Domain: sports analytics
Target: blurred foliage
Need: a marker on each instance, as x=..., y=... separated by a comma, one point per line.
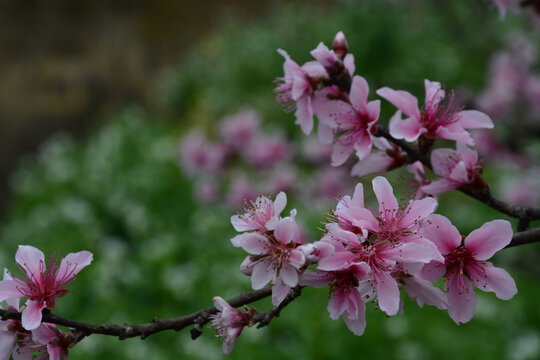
x=121, y=195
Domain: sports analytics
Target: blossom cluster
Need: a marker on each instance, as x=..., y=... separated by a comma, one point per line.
x=367, y=256
x=328, y=89
x=42, y=283
x=253, y=161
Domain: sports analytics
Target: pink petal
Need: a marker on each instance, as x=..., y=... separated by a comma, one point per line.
x=348, y=61
x=31, y=316
x=338, y=304
x=359, y=93
x=454, y=132
x=441, y=161
x=439, y=186
x=433, y=271
x=72, y=264
x=323, y=55
x=460, y=174
x=280, y=203
x=461, y=298
x=240, y=224
x=316, y=279
x=359, y=217
x=304, y=114
x=325, y=133
x=472, y=119
x=289, y=275
x=356, y=322
x=499, y=282
x=286, y=230
x=300, y=85
x=493, y=236
x=279, y=292
x=417, y=210
x=387, y=293
x=43, y=334
x=413, y=252
x=362, y=146
x=439, y=230
x=424, y=292
x=31, y=259
x=7, y=341
x=469, y=156
x=403, y=100
x=220, y=303
x=408, y=129
x=9, y=290
x=385, y=194
x=434, y=94
x=337, y=261
x=55, y=352
x=314, y=69
x=341, y=153
x=254, y=243
x=262, y=274
x=373, y=110
x=372, y=164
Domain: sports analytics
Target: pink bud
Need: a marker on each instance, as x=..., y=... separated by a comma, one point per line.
x=340, y=45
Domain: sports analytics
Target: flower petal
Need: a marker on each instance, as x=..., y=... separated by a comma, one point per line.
x=9, y=290
x=491, y=237
x=499, y=282
x=440, y=231
x=289, y=275
x=31, y=316
x=408, y=129
x=359, y=93
x=439, y=186
x=387, y=293
x=262, y=274
x=72, y=264
x=461, y=298
x=31, y=259
x=424, y=292
x=403, y=100
x=385, y=194
x=472, y=119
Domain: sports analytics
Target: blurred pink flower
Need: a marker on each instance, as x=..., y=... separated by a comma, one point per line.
x=239, y=129
x=266, y=151
x=240, y=191
x=198, y=155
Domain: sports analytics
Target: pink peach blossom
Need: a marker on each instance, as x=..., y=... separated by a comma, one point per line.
x=346, y=295
x=42, y=284
x=56, y=342
x=275, y=257
x=228, y=323
x=385, y=158
x=351, y=122
x=455, y=167
x=465, y=266
x=261, y=214
x=240, y=129
x=438, y=118
x=296, y=89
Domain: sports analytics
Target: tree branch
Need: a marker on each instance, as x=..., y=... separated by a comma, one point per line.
x=201, y=317
x=524, y=214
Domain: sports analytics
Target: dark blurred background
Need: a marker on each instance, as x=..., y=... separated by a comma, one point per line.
x=67, y=65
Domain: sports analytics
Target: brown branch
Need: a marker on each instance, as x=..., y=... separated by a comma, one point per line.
x=201, y=317
x=147, y=329
x=525, y=237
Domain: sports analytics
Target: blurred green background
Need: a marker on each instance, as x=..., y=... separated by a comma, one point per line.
x=118, y=192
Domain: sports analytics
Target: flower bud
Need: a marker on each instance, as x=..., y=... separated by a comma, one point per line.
x=340, y=45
